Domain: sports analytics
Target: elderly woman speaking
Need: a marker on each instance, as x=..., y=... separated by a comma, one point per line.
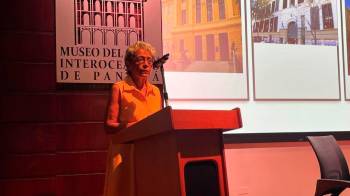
x=131, y=100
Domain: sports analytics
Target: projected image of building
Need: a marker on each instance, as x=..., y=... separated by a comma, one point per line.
x=202, y=35
x=108, y=22
x=312, y=22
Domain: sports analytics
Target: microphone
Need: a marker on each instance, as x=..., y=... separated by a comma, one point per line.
x=160, y=61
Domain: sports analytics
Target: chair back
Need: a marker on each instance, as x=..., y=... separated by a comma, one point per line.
x=331, y=159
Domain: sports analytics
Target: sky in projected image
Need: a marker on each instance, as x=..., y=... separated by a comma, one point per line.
x=202, y=35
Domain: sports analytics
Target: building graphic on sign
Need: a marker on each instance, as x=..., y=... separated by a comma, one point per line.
x=312, y=22
x=108, y=22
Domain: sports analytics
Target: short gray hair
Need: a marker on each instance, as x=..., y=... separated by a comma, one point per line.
x=131, y=50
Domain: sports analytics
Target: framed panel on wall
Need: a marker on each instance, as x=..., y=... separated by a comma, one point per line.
x=295, y=49
x=206, y=43
x=92, y=36
x=347, y=50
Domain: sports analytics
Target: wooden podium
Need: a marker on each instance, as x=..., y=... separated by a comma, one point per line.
x=180, y=152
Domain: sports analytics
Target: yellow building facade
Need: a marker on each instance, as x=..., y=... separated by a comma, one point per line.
x=200, y=33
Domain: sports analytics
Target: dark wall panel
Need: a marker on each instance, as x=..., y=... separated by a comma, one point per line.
x=81, y=162
x=28, y=166
x=28, y=108
x=64, y=185
x=47, y=165
x=33, y=138
x=27, y=138
x=85, y=185
x=27, y=47
x=29, y=187
x=27, y=77
x=81, y=107
x=28, y=15
x=53, y=107
x=51, y=138
x=81, y=136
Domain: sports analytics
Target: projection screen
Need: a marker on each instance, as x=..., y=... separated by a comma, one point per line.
x=282, y=62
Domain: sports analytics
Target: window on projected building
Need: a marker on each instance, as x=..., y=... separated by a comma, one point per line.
x=327, y=16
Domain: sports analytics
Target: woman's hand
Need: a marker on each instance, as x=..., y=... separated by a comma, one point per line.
x=112, y=128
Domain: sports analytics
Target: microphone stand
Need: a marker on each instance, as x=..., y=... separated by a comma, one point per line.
x=165, y=93
x=159, y=64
